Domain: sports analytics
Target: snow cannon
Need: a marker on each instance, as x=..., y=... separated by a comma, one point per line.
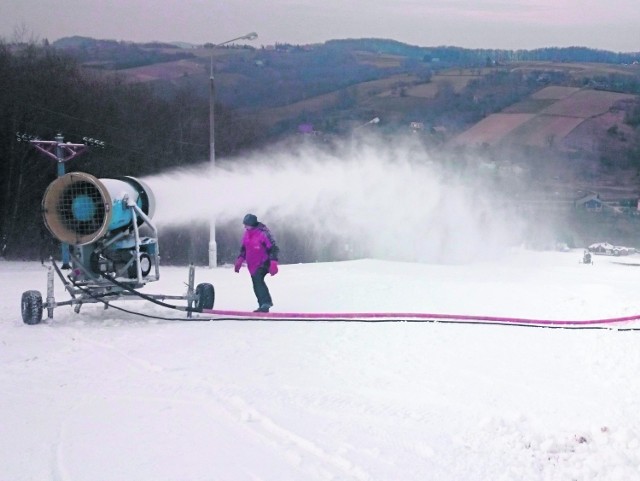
x=102, y=221
x=80, y=209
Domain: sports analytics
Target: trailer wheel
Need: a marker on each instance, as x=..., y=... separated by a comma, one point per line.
x=31, y=307
x=205, y=296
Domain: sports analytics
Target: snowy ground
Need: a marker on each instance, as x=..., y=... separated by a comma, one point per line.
x=103, y=395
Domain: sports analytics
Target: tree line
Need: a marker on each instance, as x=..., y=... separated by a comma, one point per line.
x=467, y=57
x=115, y=55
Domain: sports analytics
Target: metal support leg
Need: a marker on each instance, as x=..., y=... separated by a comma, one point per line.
x=190, y=289
x=50, y=295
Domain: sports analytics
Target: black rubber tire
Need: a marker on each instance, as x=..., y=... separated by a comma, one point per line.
x=31, y=307
x=205, y=296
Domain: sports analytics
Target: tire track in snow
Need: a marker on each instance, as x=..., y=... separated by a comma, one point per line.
x=287, y=437
x=60, y=471
x=289, y=444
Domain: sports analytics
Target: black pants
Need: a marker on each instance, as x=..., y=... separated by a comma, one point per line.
x=260, y=287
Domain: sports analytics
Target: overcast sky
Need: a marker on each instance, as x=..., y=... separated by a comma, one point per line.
x=506, y=24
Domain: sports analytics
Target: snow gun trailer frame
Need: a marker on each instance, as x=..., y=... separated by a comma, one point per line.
x=99, y=220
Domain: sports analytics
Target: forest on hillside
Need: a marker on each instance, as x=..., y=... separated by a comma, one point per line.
x=122, y=54
x=288, y=73
x=44, y=92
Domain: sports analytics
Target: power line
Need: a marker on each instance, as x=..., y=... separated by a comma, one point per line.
x=97, y=124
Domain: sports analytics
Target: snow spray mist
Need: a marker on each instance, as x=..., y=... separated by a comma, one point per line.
x=367, y=198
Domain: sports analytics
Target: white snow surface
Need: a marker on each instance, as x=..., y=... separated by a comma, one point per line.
x=110, y=396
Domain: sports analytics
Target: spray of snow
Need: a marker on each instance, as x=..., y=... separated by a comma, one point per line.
x=391, y=201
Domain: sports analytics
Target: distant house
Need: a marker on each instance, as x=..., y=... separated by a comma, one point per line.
x=593, y=203
x=606, y=249
x=307, y=129
x=590, y=203
x=543, y=78
x=417, y=126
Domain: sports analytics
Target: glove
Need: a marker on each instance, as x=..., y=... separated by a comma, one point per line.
x=273, y=268
x=238, y=264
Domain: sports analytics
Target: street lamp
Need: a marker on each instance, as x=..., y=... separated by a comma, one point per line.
x=213, y=246
x=374, y=120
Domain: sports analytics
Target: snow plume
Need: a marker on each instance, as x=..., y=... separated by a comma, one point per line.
x=362, y=198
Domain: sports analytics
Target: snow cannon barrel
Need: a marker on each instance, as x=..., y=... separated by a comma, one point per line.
x=80, y=209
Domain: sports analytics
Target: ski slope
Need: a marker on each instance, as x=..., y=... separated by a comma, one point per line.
x=111, y=396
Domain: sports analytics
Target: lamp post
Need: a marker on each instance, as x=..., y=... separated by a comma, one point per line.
x=374, y=120
x=213, y=246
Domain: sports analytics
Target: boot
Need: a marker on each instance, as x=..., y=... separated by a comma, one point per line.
x=263, y=308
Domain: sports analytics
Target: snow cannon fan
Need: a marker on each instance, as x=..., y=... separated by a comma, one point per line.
x=99, y=219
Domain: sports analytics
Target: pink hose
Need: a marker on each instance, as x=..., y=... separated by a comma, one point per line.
x=413, y=316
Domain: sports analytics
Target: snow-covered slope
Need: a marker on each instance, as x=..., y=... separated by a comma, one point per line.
x=105, y=395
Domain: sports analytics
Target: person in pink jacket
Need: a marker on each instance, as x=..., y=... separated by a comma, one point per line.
x=260, y=251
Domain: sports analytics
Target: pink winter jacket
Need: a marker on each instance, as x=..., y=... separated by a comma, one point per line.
x=258, y=248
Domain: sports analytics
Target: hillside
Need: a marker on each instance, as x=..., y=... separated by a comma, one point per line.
x=552, y=117
x=575, y=101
